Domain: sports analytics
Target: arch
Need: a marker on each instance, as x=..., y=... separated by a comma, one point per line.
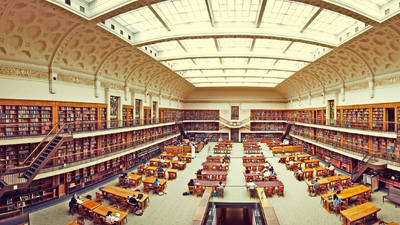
x=96, y=74
x=333, y=69
x=363, y=60
x=60, y=46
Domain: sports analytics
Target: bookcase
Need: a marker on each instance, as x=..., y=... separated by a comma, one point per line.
x=12, y=155
x=264, y=126
x=355, y=142
x=201, y=114
x=26, y=120
x=269, y=114
x=377, y=118
x=258, y=136
x=170, y=115
x=201, y=126
x=127, y=115
x=37, y=192
x=356, y=118
x=83, y=118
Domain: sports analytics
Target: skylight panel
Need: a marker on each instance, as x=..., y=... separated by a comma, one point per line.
x=234, y=61
x=303, y=48
x=281, y=74
x=199, y=44
x=235, y=11
x=331, y=22
x=176, y=64
x=180, y=12
x=139, y=20
x=168, y=46
x=291, y=65
x=235, y=43
x=288, y=13
x=256, y=62
x=270, y=44
x=208, y=62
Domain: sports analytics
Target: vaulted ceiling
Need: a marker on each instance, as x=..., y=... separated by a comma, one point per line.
x=296, y=46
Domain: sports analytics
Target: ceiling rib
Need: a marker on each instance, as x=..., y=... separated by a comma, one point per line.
x=234, y=68
x=260, y=13
x=210, y=13
x=216, y=44
x=249, y=56
x=159, y=17
x=311, y=20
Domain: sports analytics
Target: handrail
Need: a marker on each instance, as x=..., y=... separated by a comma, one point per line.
x=41, y=142
x=31, y=163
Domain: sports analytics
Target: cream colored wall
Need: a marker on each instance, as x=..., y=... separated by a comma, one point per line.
x=223, y=98
x=35, y=89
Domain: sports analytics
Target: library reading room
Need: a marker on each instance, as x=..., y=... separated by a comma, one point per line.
x=199, y=112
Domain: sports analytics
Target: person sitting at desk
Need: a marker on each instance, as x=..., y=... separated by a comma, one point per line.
x=191, y=183
x=300, y=175
x=73, y=204
x=291, y=164
x=337, y=201
x=220, y=185
x=247, y=170
x=110, y=218
x=134, y=202
x=156, y=186
x=316, y=186
x=181, y=164
x=226, y=157
x=331, y=169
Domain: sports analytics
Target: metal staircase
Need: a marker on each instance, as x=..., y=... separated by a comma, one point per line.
x=233, y=124
x=182, y=131
x=367, y=162
x=20, y=177
x=287, y=130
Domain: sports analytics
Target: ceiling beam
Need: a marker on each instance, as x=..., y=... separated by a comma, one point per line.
x=287, y=48
x=253, y=43
x=132, y=5
x=323, y=40
x=244, y=81
x=311, y=20
x=210, y=12
x=260, y=13
x=248, y=55
x=159, y=17
x=182, y=46
x=216, y=44
x=235, y=68
x=220, y=76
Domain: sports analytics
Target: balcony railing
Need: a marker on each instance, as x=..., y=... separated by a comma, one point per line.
x=350, y=147
x=386, y=126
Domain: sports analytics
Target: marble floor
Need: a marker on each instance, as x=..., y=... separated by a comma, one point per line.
x=296, y=207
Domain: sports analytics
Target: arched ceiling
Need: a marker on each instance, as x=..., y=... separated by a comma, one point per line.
x=296, y=46
x=37, y=34
x=246, y=42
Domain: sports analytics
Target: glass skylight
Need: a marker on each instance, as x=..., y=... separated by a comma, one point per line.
x=230, y=46
x=180, y=12
x=288, y=13
x=331, y=22
x=139, y=20
x=235, y=10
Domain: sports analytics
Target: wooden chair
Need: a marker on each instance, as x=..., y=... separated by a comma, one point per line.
x=98, y=220
x=124, y=206
x=83, y=212
x=191, y=190
x=280, y=191
x=99, y=197
x=80, y=220
x=199, y=191
x=140, y=170
x=269, y=192
x=220, y=192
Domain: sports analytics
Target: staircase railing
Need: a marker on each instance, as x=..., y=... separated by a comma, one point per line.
x=41, y=142
x=20, y=169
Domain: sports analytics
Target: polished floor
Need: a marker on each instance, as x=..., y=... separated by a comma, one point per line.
x=296, y=207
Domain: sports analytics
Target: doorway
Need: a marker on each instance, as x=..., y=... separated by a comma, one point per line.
x=235, y=134
x=390, y=118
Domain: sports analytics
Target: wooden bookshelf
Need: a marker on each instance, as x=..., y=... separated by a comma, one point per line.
x=201, y=114
x=264, y=126
x=26, y=120
x=201, y=126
